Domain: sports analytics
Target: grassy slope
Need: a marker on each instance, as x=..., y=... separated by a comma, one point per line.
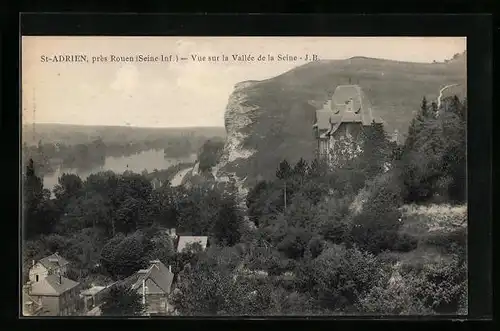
x=428, y=224
x=282, y=124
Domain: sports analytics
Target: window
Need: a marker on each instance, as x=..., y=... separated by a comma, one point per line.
x=36, y=278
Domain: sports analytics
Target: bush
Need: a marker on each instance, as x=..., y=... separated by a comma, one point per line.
x=384, y=299
x=375, y=228
x=431, y=288
x=295, y=243
x=342, y=275
x=449, y=241
x=405, y=243
x=122, y=301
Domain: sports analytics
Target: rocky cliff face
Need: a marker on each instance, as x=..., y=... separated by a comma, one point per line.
x=238, y=118
x=268, y=121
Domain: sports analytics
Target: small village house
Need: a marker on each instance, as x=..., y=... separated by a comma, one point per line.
x=56, y=294
x=49, y=265
x=93, y=298
x=48, y=292
x=156, y=183
x=154, y=285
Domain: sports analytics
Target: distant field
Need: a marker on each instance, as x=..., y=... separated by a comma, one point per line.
x=77, y=134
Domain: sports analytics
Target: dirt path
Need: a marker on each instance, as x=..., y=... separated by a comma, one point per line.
x=177, y=180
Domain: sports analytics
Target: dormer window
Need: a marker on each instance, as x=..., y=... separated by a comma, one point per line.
x=349, y=105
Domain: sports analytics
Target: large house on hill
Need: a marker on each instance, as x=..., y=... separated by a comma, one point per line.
x=344, y=115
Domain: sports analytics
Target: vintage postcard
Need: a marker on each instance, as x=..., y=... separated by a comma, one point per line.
x=244, y=176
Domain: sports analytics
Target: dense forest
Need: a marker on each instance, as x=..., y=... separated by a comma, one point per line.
x=316, y=239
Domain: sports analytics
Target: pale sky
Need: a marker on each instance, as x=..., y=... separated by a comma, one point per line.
x=185, y=93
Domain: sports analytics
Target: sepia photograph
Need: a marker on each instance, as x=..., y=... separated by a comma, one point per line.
x=243, y=176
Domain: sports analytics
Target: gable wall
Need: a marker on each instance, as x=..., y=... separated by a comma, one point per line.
x=38, y=269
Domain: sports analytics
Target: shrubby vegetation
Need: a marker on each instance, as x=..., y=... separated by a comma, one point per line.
x=362, y=237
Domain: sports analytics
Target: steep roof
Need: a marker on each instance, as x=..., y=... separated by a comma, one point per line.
x=348, y=104
x=50, y=285
x=93, y=290
x=323, y=118
x=53, y=261
x=158, y=273
x=186, y=240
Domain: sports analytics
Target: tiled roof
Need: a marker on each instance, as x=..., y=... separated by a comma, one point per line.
x=344, y=93
x=53, y=285
x=53, y=261
x=336, y=110
x=93, y=290
x=186, y=240
x=157, y=273
x=323, y=119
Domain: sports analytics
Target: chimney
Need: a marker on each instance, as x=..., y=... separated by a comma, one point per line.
x=33, y=263
x=170, y=268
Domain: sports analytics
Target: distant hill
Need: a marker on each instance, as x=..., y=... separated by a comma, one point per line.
x=74, y=134
x=270, y=120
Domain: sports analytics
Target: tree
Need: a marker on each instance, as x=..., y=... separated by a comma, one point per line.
x=254, y=200
x=210, y=154
x=122, y=301
x=68, y=186
x=39, y=213
x=123, y=255
x=284, y=170
x=130, y=215
x=342, y=275
x=332, y=219
x=375, y=151
x=212, y=287
x=301, y=169
x=424, y=108
x=416, y=125
x=85, y=211
x=375, y=227
x=434, y=108
x=163, y=248
x=84, y=249
x=432, y=164
x=295, y=243
x=318, y=168
x=228, y=225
